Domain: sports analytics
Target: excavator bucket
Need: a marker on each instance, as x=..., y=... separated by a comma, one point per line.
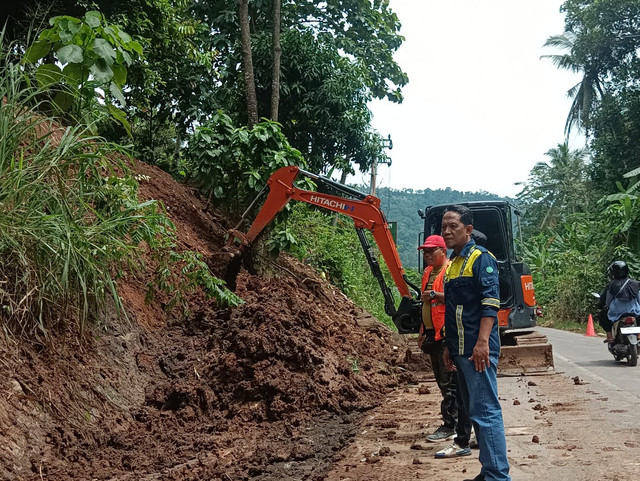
x=242, y=256
x=527, y=353
x=233, y=269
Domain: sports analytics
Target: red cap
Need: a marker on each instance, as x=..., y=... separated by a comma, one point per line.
x=433, y=241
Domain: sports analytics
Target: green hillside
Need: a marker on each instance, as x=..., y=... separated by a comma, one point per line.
x=402, y=206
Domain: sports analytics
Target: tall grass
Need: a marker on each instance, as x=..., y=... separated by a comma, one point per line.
x=70, y=221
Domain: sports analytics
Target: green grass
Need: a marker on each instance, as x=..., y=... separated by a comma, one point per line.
x=69, y=217
x=572, y=326
x=70, y=220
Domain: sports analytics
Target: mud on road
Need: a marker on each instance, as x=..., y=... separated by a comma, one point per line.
x=270, y=389
x=295, y=384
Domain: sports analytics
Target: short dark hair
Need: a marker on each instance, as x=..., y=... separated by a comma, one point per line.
x=466, y=216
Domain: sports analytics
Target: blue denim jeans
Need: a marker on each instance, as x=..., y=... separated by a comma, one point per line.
x=479, y=392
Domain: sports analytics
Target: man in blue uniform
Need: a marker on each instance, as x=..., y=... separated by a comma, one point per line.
x=472, y=298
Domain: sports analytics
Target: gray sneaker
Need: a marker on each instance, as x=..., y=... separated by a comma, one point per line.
x=441, y=434
x=453, y=451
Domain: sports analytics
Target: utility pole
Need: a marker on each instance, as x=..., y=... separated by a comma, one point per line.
x=387, y=144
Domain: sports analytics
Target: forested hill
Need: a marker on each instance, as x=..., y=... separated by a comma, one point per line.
x=402, y=206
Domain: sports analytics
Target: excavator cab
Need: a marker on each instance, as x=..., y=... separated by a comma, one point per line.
x=495, y=226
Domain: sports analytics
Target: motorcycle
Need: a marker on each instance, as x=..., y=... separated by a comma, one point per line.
x=625, y=332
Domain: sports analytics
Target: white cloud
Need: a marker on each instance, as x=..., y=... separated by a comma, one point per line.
x=481, y=107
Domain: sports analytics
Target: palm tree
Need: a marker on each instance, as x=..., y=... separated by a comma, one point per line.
x=557, y=187
x=586, y=92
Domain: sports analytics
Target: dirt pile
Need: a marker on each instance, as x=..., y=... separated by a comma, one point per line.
x=267, y=390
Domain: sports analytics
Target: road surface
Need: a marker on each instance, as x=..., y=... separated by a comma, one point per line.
x=577, y=424
x=581, y=355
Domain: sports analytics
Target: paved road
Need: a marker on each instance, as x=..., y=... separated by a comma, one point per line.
x=579, y=355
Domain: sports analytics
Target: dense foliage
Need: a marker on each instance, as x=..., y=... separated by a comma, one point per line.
x=70, y=220
x=333, y=58
x=336, y=56
x=232, y=164
x=85, y=54
x=582, y=205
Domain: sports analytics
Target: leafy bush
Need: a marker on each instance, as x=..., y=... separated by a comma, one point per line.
x=94, y=57
x=232, y=164
x=567, y=267
x=181, y=273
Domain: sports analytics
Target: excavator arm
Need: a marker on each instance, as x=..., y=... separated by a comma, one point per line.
x=366, y=214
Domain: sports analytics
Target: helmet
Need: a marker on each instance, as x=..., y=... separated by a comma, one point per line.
x=618, y=270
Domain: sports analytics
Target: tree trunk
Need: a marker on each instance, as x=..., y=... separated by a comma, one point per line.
x=247, y=63
x=277, y=52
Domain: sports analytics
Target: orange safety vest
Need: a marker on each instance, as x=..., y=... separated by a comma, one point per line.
x=437, y=308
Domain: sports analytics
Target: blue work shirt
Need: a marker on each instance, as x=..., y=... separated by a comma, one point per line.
x=471, y=292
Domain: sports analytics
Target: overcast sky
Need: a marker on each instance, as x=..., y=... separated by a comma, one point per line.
x=481, y=107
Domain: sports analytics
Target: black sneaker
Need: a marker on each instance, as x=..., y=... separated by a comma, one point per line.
x=473, y=441
x=479, y=477
x=441, y=434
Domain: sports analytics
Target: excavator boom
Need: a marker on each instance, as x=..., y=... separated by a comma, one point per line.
x=363, y=209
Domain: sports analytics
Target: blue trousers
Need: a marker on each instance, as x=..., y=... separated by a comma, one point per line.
x=479, y=393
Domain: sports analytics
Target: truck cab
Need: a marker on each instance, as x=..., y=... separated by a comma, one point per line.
x=497, y=220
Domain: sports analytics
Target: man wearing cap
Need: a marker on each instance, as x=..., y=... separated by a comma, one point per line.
x=434, y=254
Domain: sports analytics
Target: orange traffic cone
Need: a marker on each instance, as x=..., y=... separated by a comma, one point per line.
x=590, y=330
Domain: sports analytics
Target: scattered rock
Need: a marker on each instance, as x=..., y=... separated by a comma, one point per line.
x=384, y=451
x=531, y=383
x=16, y=387
x=389, y=424
x=416, y=461
x=578, y=382
x=424, y=390
x=516, y=402
x=417, y=447
x=535, y=439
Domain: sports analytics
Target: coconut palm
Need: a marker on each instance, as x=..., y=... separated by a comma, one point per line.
x=556, y=188
x=586, y=92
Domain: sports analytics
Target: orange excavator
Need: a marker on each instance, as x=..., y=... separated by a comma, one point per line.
x=531, y=352
x=366, y=214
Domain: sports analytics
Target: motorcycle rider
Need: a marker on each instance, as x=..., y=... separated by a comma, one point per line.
x=619, y=297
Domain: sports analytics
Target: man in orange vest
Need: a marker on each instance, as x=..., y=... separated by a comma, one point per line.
x=455, y=425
